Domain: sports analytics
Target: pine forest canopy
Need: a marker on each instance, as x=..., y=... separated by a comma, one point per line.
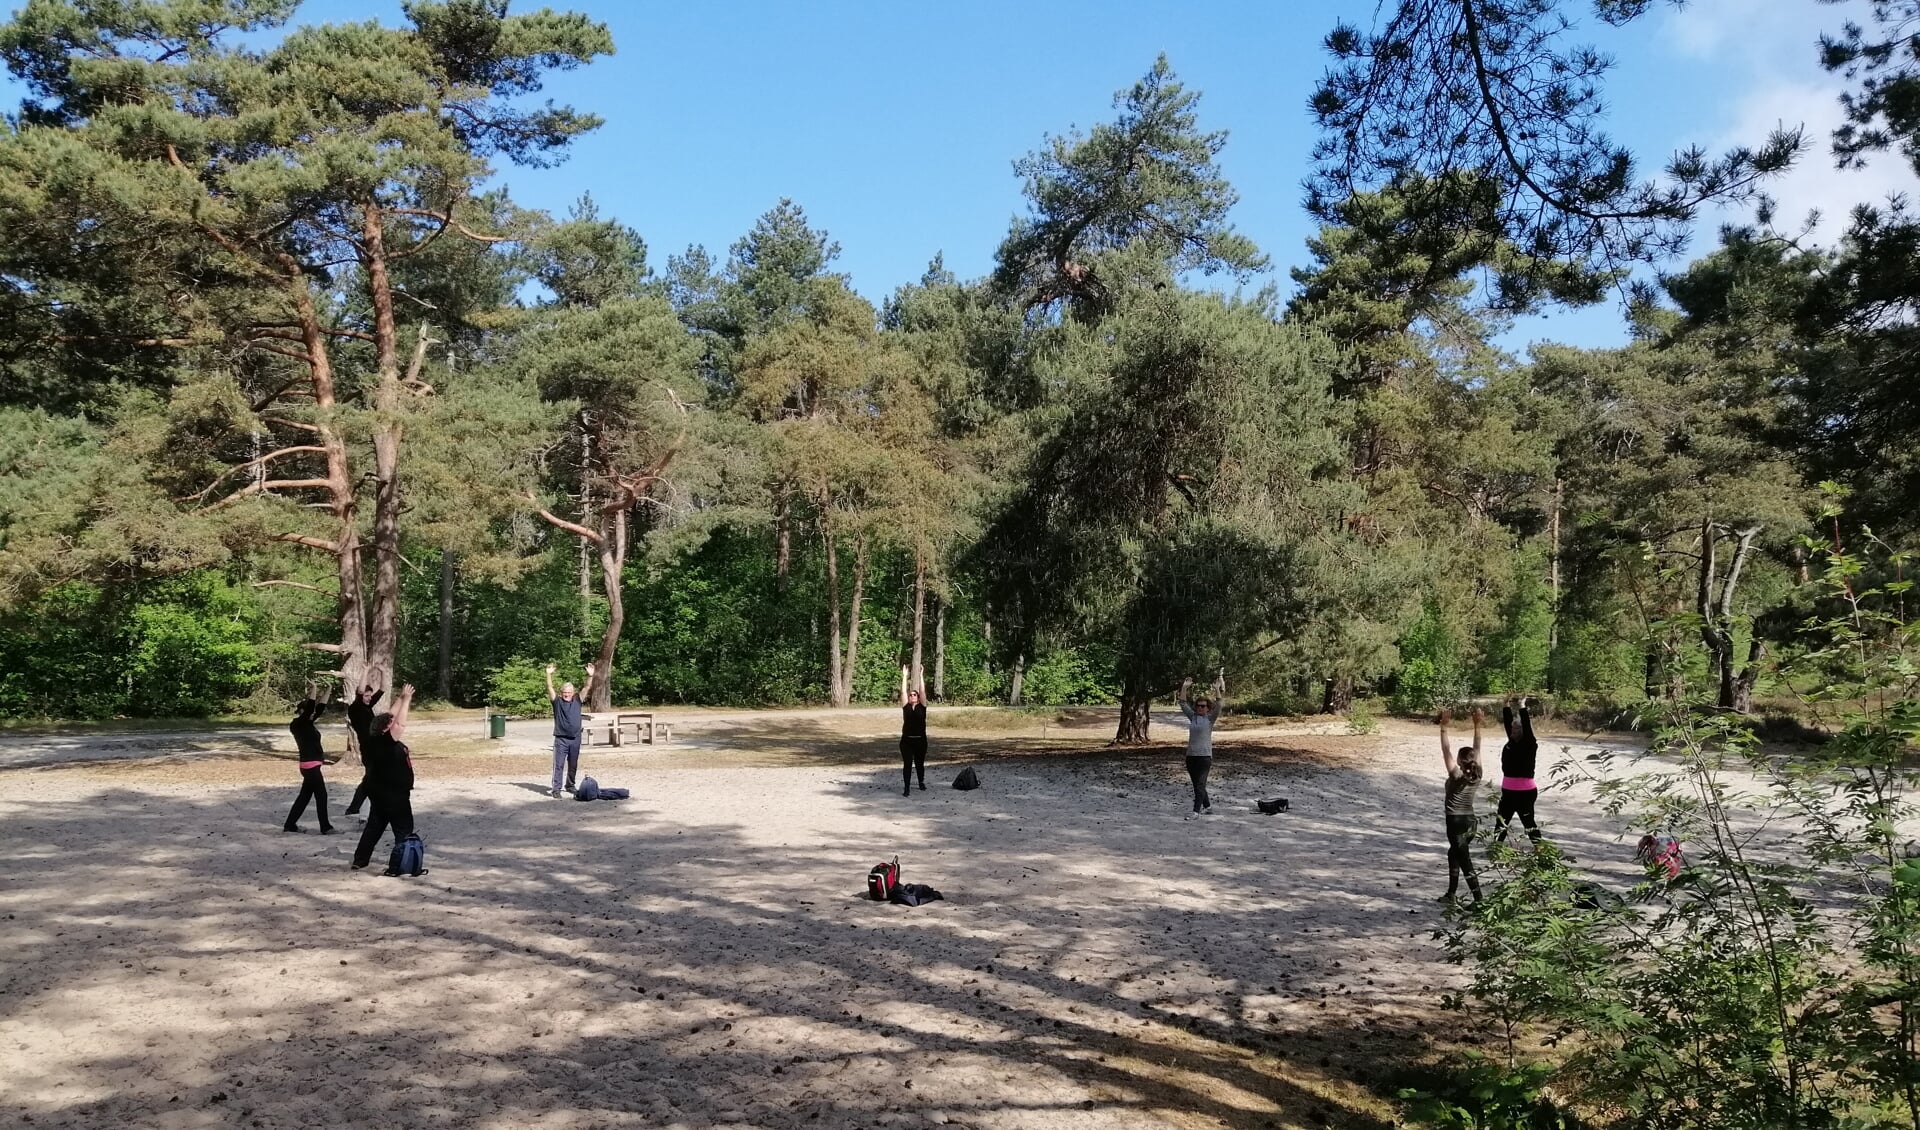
x=293, y=390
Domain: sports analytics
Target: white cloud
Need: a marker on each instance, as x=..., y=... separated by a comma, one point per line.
x=1760, y=30
x=1813, y=184
x=1766, y=52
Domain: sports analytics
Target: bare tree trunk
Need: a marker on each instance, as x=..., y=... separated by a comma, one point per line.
x=1743, y=686
x=834, y=663
x=586, y=508
x=1136, y=705
x=782, y=536
x=852, y=665
x=443, y=681
x=1338, y=696
x=1015, y=695
x=1716, y=617
x=613, y=570
x=939, y=649
x=986, y=636
x=383, y=629
x=342, y=502
x=917, y=674
x=1553, y=569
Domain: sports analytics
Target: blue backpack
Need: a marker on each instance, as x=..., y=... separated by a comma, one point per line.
x=409, y=856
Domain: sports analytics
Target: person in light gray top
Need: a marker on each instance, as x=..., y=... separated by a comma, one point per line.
x=1201, y=714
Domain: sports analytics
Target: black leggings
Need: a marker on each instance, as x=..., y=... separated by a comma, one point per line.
x=1198, y=768
x=913, y=758
x=389, y=808
x=360, y=795
x=313, y=787
x=1517, y=802
x=1459, y=859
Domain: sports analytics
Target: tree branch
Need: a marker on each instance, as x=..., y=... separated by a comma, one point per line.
x=448, y=220
x=295, y=585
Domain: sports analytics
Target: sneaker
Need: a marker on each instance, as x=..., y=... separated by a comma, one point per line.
x=329, y=831
x=571, y=789
x=554, y=793
x=359, y=867
x=292, y=828
x=906, y=792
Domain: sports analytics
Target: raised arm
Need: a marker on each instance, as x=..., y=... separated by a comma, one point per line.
x=1446, y=745
x=401, y=705
x=1526, y=722
x=1479, y=756
x=1185, y=698
x=1220, y=694
x=903, y=684
x=588, y=685
x=551, y=693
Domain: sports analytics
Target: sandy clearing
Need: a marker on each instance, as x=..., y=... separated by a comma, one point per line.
x=701, y=955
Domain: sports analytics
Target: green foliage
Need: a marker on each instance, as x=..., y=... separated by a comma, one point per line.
x=1430, y=674
x=519, y=686
x=1731, y=998
x=1069, y=678
x=1363, y=716
x=174, y=649
x=1517, y=658
x=1479, y=1094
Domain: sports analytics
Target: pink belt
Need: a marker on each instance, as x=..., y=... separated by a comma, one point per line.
x=1518, y=784
x=310, y=765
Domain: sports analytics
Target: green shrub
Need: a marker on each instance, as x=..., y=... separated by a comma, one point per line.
x=519, y=686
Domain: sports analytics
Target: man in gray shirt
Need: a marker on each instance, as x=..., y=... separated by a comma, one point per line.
x=566, y=729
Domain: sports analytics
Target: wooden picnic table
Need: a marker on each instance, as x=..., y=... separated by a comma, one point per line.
x=645, y=730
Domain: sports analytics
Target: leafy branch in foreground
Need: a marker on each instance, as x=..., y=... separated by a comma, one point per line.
x=1773, y=983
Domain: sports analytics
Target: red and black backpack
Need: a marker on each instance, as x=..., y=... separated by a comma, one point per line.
x=882, y=878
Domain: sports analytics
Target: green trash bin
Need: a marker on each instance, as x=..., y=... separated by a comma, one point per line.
x=496, y=726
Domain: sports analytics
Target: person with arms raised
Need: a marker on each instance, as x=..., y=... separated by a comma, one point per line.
x=566, y=730
x=390, y=768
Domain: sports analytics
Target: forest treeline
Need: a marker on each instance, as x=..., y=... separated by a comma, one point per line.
x=287, y=389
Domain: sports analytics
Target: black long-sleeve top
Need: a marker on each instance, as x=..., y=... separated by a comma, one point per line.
x=1522, y=750
x=360, y=716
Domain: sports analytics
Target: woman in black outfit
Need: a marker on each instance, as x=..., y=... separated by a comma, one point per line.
x=1518, y=789
x=360, y=718
x=913, y=735
x=1463, y=781
x=313, y=784
x=390, y=769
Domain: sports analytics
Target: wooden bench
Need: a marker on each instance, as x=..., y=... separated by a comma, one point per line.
x=638, y=724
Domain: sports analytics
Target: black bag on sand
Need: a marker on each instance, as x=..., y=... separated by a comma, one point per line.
x=913, y=894
x=1273, y=804
x=409, y=857
x=967, y=779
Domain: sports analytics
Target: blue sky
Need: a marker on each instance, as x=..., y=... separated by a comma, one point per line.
x=896, y=126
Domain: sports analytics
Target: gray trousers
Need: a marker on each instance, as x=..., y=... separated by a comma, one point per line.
x=566, y=758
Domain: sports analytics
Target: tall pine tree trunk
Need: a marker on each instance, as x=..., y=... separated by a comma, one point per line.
x=342, y=502
x=852, y=665
x=1338, y=697
x=383, y=627
x=1136, y=703
x=939, y=649
x=613, y=572
x=834, y=659
x=782, y=536
x=918, y=674
x=1017, y=692
x=443, y=680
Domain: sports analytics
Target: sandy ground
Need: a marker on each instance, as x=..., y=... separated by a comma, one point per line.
x=703, y=955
